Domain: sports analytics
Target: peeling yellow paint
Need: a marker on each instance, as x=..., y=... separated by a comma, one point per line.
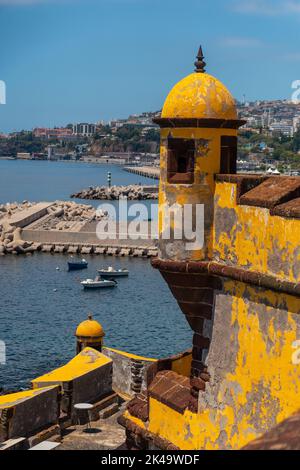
x=134, y=420
x=257, y=385
x=181, y=430
x=257, y=240
x=199, y=95
x=268, y=383
x=12, y=399
x=182, y=365
x=86, y=361
x=202, y=191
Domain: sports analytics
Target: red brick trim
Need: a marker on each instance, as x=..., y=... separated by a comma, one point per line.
x=272, y=192
x=279, y=194
x=200, y=123
x=238, y=274
x=141, y=437
x=289, y=209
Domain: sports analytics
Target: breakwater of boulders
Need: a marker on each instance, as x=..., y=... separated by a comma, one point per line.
x=11, y=242
x=10, y=236
x=66, y=216
x=11, y=208
x=61, y=215
x=131, y=192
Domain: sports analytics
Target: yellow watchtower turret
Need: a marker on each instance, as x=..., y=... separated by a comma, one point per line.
x=89, y=333
x=198, y=140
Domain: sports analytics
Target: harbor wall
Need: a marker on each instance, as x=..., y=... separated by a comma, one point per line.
x=148, y=172
x=79, y=238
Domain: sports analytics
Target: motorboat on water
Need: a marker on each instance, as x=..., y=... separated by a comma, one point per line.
x=98, y=283
x=110, y=272
x=79, y=264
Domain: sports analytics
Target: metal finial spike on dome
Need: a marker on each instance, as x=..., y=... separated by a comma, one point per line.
x=200, y=64
x=90, y=316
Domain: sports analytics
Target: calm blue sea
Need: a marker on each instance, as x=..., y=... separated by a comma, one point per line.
x=41, y=306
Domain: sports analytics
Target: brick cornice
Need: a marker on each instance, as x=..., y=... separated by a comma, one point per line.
x=213, y=268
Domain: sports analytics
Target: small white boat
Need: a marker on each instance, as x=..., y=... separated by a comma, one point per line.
x=111, y=272
x=98, y=283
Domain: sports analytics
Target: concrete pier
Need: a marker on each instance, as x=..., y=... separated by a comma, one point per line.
x=147, y=171
x=119, y=250
x=30, y=215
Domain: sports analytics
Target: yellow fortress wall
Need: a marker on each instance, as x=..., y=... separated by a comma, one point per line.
x=86, y=378
x=240, y=292
x=252, y=238
x=254, y=383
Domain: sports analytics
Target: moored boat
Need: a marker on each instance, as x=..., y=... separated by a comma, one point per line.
x=75, y=265
x=98, y=283
x=111, y=272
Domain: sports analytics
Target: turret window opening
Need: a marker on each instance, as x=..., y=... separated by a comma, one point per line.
x=228, y=155
x=181, y=161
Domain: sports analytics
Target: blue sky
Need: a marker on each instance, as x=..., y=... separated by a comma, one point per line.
x=85, y=60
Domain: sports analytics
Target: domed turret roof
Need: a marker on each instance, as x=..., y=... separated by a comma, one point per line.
x=200, y=96
x=90, y=329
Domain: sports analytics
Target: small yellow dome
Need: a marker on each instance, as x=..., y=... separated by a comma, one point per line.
x=90, y=329
x=200, y=96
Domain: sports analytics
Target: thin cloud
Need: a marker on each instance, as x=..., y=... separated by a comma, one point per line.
x=241, y=42
x=292, y=56
x=267, y=7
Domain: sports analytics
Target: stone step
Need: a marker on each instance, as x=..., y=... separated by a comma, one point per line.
x=52, y=433
x=45, y=445
x=109, y=411
x=14, y=444
x=106, y=402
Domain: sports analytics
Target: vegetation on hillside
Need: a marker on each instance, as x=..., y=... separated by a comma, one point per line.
x=283, y=150
x=127, y=138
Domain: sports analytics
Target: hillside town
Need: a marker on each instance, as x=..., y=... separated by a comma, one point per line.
x=269, y=141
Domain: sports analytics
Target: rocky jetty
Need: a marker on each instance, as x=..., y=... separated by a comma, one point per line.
x=131, y=192
x=11, y=208
x=27, y=227
x=11, y=241
x=10, y=236
x=61, y=215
